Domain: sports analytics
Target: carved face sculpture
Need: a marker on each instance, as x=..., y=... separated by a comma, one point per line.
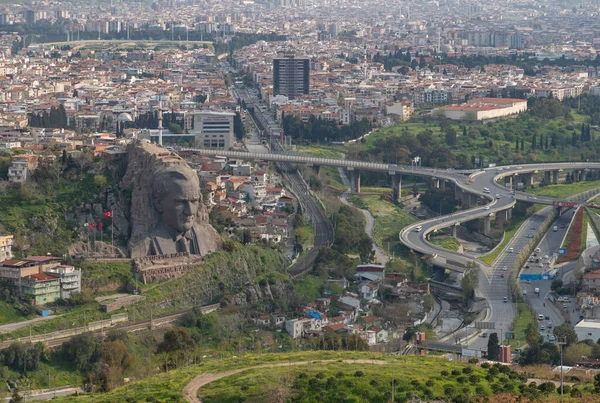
x=177, y=197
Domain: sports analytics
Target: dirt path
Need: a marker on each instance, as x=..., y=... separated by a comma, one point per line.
x=190, y=392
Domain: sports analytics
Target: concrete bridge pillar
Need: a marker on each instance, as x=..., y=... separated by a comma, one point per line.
x=508, y=182
x=457, y=193
x=575, y=175
x=454, y=228
x=547, y=177
x=317, y=171
x=555, y=177
x=435, y=183
x=354, y=181
x=442, y=183
x=527, y=180
x=396, y=187
x=487, y=225
x=502, y=217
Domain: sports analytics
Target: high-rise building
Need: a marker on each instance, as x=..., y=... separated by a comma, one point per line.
x=291, y=76
x=214, y=129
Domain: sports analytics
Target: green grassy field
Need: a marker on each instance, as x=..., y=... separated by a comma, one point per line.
x=329, y=175
x=389, y=220
x=10, y=314
x=523, y=319
x=425, y=377
x=564, y=190
x=446, y=243
x=508, y=235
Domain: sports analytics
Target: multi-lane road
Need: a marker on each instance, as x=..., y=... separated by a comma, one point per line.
x=488, y=199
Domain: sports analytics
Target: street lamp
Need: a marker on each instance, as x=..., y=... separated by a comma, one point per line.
x=561, y=343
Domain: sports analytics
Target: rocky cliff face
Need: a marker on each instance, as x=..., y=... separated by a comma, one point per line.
x=242, y=276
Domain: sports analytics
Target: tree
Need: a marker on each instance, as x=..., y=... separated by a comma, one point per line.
x=493, y=347
x=100, y=181
x=16, y=396
x=175, y=128
x=565, y=332
x=533, y=141
x=556, y=284
x=574, y=353
x=522, y=144
x=80, y=350
x=516, y=144
x=469, y=282
x=532, y=335
x=176, y=339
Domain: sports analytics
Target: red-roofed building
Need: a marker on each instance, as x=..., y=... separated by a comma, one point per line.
x=591, y=280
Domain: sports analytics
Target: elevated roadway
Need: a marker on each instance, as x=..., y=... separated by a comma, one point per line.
x=480, y=190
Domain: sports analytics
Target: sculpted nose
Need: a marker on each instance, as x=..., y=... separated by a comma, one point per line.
x=187, y=208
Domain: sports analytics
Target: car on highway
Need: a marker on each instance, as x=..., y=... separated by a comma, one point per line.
x=537, y=250
x=562, y=225
x=511, y=250
x=504, y=268
x=418, y=228
x=501, y=275
x=551, y=337
x=529, y=235
x=484, y=334
x=505, y=300
x=549, y=325
x=542, y=328
x=497, y=196
x=564, y=306
x=540, y=317
x=487, y=207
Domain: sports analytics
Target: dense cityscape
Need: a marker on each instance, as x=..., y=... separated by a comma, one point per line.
x=300, y=201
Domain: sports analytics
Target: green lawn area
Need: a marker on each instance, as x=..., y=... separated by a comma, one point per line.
x=508, y=235
x=446, y=242
x=10, y=314
x=343, y=382
x=329, y=175
x=389, y=220
x=323, y=381
x=563, y=190
x=523, y=319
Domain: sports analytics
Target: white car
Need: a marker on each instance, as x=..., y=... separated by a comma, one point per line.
x=504, y=268
x=511, y=250
x=537, y=250
x=487, y=207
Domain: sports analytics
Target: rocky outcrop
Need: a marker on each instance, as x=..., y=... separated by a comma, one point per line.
x=242, y=276
x=96, y=249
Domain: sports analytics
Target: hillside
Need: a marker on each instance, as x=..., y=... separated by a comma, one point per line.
x=326, y=376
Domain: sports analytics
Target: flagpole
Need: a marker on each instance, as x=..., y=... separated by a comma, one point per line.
x=112, y=235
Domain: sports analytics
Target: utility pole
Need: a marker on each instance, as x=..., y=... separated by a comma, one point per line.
x=561, y=343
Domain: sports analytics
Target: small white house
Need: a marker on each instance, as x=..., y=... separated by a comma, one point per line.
x=588, y=329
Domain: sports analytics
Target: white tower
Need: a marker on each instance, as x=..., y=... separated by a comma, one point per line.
x=160, y=121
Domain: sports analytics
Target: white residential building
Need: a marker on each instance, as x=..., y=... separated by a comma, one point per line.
x=588, y=330
x=70, y=279
x=6, y=242
x=214, y=129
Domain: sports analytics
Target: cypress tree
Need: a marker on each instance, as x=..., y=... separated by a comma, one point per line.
x=517, y=144
x=533, y=141
x=522, y=144
x=546, y=141
x=574, y=139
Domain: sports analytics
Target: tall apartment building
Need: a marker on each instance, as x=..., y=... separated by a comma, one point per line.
x=291, y=76
x=214, y=129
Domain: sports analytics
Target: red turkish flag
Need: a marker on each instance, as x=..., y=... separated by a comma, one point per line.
x=100, y=226
x=108, y=214
x=92, y=225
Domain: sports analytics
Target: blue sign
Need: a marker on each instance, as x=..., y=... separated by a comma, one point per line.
x=530, y=277
x=562, y=251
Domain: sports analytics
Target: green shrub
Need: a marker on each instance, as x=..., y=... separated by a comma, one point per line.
x=467, y=370
x=444, y=373
x=359, y=373
x=456, y=372
x=429, y=383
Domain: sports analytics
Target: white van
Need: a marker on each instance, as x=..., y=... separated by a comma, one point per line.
x=418, y=228
x=486, y=190
x=555, y=228
x=540, y=317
